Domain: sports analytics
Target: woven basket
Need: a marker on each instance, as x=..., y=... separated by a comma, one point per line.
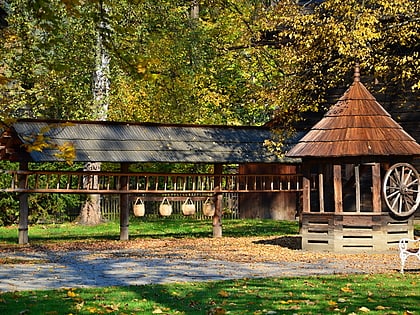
x=138, y=208
x=188, y=207
x=165, y=208
x=208, y=208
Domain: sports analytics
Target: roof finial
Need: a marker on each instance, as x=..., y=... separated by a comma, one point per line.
x=357, y=72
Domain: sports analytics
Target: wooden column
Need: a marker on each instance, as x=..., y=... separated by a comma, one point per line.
x=338, y=189
x=321, y=191
x=376, y=187
x=357, y=184
x=306, y=198
x=124, y=205
x=23, y=207
x=218, y=212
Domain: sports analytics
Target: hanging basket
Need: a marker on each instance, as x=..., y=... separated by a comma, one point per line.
x=188, y=207
x=165, y=208
x=208, y=208
x=138, y=208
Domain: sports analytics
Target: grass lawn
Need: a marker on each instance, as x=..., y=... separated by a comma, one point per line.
x=150, y=228
x=390, y=293
x=338, y=294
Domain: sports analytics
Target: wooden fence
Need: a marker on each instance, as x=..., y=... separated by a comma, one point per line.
x=112, y=183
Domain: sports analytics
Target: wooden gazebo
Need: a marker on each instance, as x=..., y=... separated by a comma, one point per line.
x=359, y=190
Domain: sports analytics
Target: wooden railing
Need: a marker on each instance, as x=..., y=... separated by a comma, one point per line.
x=114, y=183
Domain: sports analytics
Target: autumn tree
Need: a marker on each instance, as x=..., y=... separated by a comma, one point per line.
x=242, y=62
x=326, y=40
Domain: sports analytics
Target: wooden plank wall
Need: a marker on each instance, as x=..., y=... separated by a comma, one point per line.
x=348, y=233
x=277, y=206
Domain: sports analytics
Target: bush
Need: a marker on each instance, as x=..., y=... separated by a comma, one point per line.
x=42, y=207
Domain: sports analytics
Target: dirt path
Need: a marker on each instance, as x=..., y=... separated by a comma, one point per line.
x=241, y=250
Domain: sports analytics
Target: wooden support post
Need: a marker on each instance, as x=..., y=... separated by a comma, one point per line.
x=357, y=183
x=376, y=187
x=338, y=189
x=23, y=207
x=321, y=191
x=218, y=212
x=306, y=199
x=124, y=205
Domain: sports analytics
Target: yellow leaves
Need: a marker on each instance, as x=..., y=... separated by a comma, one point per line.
x=37, y=143
x=141, y=69
x=111, y=308
x=382, y=308
x=216, y=311
x=92, y=310
x=41, y=141
x=67, y=152
x=364, y=309
x=347, y=289
x=223, y=294
x=332, y=303
x=160, y=310
x=71, y=293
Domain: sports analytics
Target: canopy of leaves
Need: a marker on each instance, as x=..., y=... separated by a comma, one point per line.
x=229, y=62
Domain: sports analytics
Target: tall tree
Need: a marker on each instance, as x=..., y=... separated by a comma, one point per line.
x=242, y=60
x=91, y=210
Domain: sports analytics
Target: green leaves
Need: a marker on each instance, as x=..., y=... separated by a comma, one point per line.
x=238, y=62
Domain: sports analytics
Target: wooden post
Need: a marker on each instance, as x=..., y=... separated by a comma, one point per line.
x=218, y=212
x=338, y=189
x=321, y=191
x=357, y=183
x=124, y=205
x=306, y=199
x=376, y=187
x=23, y=207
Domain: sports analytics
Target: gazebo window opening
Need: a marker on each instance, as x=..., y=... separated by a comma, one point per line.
x=348, y=188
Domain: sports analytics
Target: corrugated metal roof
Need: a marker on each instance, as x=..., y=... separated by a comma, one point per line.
x=357, y=125
x=136, y=142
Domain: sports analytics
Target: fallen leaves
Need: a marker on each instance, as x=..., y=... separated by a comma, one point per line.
x=364, y=309
x=238, y=249
x=347, y=289
x=223, y=294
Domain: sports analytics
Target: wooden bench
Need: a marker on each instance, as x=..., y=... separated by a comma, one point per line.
x=408, y=247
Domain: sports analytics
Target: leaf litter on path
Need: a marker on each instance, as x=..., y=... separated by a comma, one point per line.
x=235, y=249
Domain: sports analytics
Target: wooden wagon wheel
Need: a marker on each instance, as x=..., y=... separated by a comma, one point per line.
x=401, y=189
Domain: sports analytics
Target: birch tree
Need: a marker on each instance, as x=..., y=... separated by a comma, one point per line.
x=91, y=210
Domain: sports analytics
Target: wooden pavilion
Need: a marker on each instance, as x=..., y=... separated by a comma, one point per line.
x=356, y=151
x=125, y=143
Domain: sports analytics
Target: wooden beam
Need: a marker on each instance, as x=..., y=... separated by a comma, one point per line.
x=23, y=208
x=338, y=189
x=217, y=218
x=124, y=205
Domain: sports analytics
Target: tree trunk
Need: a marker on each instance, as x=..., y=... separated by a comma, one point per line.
x=91, y=210
x=90, y=213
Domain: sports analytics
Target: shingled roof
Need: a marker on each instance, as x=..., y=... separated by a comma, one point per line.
x=139, y=142
x=357, y=125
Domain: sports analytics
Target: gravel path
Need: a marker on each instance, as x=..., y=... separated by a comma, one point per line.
x=163, y=261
